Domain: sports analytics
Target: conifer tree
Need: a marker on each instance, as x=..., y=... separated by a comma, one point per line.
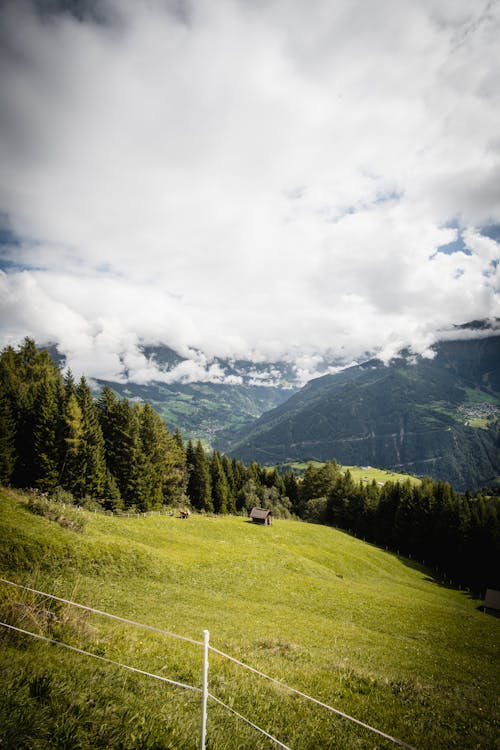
x=127, y=454
x=231, y=484
x=72, y=436
x=7, y=440
x=32, y=368
x=291, y=489
x=199, y=484
x=239, y=474
x=176, y=477
x=46, y=457
x=154, y=446
x=220, y=488
x=8, y=425
x=91, y=453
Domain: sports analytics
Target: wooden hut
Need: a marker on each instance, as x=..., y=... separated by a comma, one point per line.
x=262, y=516
x=492, y=600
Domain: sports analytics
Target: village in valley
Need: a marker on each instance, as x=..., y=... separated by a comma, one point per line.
x=481, y=414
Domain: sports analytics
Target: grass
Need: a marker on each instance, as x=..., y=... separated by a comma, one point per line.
x=359, y=473
x=365, y=631
x=478, y=396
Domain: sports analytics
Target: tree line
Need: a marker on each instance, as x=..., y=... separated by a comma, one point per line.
x=459, y=535
x=118, y=455
x=108, y=451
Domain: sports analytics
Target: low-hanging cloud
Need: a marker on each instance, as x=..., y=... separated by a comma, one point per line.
x=243, y=180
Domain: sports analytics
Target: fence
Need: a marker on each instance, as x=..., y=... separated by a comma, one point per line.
x=204, y=691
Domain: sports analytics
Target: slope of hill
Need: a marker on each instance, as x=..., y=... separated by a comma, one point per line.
x=365, y=631
x=437, y=417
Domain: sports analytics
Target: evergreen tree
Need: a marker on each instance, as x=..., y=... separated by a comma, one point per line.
x=8, y=425
x=34, y=376
x=7, y=440
x=199, y=485
x=91, y=478
x=72, y=436
x=46, y=457
x=175, y=478
x=291, y=489
x=154, y=464
x=220, y=488
x=231, y=483
x=150, y=458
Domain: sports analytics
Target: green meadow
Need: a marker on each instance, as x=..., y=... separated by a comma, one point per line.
x=365, y=631
x=358, y=473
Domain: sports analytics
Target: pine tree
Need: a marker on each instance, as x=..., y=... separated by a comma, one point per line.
x=91, y=457
x=127, y=454
x=72, y=436
x=8, y=426
x=176, y=475
x=7, y=440
x=47, y=453
x=220, y=488
x=35, y=376
x=291, y=489
x=231, y=484
x=154, y=445
x=199, y=484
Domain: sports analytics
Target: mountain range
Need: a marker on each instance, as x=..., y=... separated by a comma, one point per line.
x=437, y=416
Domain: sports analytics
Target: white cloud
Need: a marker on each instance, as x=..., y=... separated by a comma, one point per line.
x=255, y=180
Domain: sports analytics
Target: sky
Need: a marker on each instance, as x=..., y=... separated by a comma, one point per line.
x=251, y=179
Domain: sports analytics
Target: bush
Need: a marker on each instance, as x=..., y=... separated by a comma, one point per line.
x=67, y=518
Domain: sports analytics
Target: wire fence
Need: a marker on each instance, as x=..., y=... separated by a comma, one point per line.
x=206, y=694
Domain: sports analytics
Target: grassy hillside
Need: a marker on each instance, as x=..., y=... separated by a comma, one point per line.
x=360, y=629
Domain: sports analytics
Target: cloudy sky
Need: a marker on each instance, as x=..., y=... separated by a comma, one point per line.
x=257, y=179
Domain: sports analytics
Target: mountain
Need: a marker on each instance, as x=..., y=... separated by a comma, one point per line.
x=234, y=395
x=202, y=410
x=437, y=417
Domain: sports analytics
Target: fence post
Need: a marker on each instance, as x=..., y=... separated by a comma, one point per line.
x=204, y=691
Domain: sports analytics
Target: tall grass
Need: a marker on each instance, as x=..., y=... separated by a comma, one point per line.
x=356, y=627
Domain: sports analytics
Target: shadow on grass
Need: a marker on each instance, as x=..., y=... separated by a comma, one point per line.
x=439, y=578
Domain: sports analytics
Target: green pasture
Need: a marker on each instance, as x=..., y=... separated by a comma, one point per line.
x=359, y=473
x=365, y=631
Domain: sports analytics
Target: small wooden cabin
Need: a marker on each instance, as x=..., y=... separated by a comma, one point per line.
x=261, y=515
x=492, y=600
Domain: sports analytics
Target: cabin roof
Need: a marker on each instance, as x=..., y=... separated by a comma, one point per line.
x=260, y=513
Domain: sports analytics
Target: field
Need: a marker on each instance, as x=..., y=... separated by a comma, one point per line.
x=363, y=473
x=369, y=633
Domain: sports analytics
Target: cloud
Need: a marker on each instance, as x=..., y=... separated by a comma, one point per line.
x=248, y=180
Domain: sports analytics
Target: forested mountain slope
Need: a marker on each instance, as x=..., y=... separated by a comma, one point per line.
x=202, y=410
x=438, y=417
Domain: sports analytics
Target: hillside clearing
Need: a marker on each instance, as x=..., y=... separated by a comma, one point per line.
x=356, y=627
x=358, y=473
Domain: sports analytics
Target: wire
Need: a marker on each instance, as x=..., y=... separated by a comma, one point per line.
x=104, y=614
x=314, y=700
x=259, y=729
x=101, y=658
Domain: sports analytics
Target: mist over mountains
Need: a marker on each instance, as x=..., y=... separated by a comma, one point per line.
x=428, y=416
x=435, y=415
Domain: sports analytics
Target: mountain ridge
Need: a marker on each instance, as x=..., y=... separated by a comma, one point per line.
x=418, y=415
